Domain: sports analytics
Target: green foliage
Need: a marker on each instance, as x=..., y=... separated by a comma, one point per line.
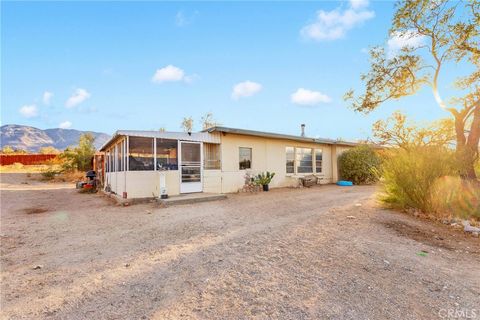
x=7, y=150
x=409, y=175
x=397, y=130
x=48, y=150
x=10, y=150
x=50, y=173
x=187, y=124
x=450, y=36
x=360, y=165
x=208, y=121
x=80, y=157
x=264, y=178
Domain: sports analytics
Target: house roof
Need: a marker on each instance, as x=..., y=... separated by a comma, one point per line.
x=194, y=136
x=207, y=136
x=279, y=136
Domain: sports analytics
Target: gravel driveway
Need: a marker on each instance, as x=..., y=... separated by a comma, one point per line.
x=321, y=253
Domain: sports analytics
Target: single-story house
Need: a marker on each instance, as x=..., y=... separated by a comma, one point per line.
x=146, y=164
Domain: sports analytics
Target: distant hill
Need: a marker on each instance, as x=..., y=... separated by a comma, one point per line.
x=32, y=139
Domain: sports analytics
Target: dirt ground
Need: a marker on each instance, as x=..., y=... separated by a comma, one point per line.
x=322, y=253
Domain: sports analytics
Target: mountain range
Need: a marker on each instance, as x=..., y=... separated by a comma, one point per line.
x=32, y=139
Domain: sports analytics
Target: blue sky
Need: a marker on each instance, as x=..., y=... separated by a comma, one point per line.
x=105, y=66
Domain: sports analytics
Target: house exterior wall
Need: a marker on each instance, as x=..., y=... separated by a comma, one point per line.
x=212, y=181
x=269, y=155
x=142, y=184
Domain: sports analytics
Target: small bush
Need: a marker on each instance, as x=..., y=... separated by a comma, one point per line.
x=360, y=165
x=50, y=173
x=454, y=197
x=17, y=166
x=410, y=174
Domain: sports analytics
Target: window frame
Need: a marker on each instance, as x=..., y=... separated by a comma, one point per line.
x=298, y=161
x=240, y=160
x=212, y=153
x=313, y=151
x=287, y=160
x=316, y=151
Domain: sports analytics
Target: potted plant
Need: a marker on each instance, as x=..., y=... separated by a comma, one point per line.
x=264, y=179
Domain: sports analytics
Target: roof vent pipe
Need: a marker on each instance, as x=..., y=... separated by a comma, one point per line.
x=303, y=129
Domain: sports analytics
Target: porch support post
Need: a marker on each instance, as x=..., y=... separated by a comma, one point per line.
x=154, y=154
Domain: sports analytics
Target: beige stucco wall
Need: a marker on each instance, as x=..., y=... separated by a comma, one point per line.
x=267, y=154
x=142, y=184
x=212, y=181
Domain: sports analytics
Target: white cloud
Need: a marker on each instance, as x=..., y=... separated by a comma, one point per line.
x=183, y=19
x=78, y=97
x=400, y=40
x=47, y=97
x=65, y=125
x=359, y=4
x=307, y=97
x=171, y=73
x=245, y=89
x=334, y=24
x=29, y=111
x=180, y=19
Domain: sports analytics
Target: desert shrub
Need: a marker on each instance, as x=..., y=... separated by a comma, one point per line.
x=17, y=166
x=409, y=175
x=360, y=165
x=452, y=196
x=50, y=173
x=80, y=157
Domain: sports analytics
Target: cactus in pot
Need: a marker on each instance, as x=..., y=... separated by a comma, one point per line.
x=264, y=179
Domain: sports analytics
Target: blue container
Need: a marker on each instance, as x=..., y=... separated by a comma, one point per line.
x=344, y=183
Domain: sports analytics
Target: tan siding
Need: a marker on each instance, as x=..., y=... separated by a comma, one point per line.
x=267, y=154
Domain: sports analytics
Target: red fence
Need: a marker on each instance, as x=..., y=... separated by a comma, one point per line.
x=25, y=159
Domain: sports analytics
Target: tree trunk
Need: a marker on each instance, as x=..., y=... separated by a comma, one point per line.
x=467, y=148
x=473, y=142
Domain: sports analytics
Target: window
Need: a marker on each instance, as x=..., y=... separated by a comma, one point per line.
x=167, y=154
x=140, y=157
x=304, y=160
x=290, y=155
x=318, y=160
x=245, y=160
x=211, y=156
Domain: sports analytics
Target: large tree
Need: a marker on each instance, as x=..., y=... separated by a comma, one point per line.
x=434, y=33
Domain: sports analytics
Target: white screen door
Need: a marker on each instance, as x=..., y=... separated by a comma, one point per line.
x=190, y=167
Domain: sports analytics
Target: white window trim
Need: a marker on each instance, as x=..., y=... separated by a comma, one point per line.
x=314, y=164
x=251, y=158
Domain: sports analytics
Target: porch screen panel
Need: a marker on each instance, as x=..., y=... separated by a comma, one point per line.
x=211, y=156
x=167, y=154
x=121, y=156
x=140, y=156
x=304, y=160
x=107, y=158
